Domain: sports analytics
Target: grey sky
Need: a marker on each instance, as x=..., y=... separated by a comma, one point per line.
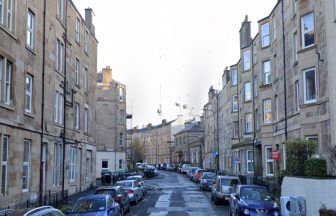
x=182, y=45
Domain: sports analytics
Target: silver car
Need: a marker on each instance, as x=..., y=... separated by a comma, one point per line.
x=44, y=210
x=133, y=190
x=141, y=181
x=223, y=187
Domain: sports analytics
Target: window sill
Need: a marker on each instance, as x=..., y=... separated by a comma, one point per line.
x=234, y=111
x=305, y=49
x=60, y=20
x=265, y=47
x=11, y=34
x=248, y=101
x=77, y=130
x=30, y=49
x=59, y=72
x=265, y=85
x=86, y=133
x=78, y=43
x=28, y=114
x=58, y=125
x=8, y=107
x=267, y=124
x=25, y=191
x=77, y=86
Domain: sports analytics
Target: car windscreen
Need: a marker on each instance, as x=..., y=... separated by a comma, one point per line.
x=89, y=205
x=134, y=178
x=256, y=194
x=229, y=182
x=209, y=176
x=111, y=192
x=124, y=184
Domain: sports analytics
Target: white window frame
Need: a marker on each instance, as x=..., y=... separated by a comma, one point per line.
x=265, y=35
x=249, y=161
x=247, y=60
x=247, y=94
x=267, y=160
x=122, y=114
x=86, y=79
x=276, y=107
x=267, y=74
x=8, y=82
x=26, y=164
x=28, y=93
x=295, y=47
x=86, y=119
x=4, y=163
x=10, y=15
x=234, y=103
x=121, y=94
x=72, y=164
x=297, y=95
x=248, y=122
x=77, y=68
x=86, y=45
x=307, y=101
x=78, y=30
x=59, y=56
x=267, y=111
x=2, y=6
x=234, y=77
x=58, y=108
x=121, y=139
x=303, y=31
x=57, y=175
x=30, y=37
x=60, y=10
x=77, y=116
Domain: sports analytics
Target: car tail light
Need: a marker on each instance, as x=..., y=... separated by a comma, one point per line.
x=117, y=198
x=130, y=191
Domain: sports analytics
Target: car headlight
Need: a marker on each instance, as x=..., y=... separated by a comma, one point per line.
x=246, y=212
x=275, y=205
x=205, y=181
x=276, y=213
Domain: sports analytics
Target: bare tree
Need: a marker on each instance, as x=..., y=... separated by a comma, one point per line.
x=137, y=151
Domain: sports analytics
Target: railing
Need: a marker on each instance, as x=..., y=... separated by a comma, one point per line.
x=273, y=186
x=51, y=199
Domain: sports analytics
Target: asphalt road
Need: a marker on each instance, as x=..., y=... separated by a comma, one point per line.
x=175, y=195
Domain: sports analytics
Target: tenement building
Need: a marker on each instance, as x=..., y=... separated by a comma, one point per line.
x=48, y=60
x=281, y=89
x=110, y=124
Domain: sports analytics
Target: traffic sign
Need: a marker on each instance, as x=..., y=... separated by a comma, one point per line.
x=276, y=155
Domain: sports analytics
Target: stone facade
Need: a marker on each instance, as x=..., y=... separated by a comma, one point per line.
x=189, y=144
x=283, y=89
x=210, y=121
x=110, y=123
x=40, y=85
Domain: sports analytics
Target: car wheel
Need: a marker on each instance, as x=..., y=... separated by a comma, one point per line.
x=216, y=201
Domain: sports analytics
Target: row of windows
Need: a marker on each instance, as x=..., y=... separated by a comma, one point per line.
x=4, y=146
x=6, y=14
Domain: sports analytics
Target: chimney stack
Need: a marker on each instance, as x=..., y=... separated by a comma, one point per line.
x=88, y=20
x=107, y=74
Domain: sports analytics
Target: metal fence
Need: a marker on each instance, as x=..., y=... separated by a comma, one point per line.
x=56, y=199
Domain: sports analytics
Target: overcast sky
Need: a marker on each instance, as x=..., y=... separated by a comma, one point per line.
x=181, y=45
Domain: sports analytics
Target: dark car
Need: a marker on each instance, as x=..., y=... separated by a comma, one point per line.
x=207, y=180
x=252, y=200
x=223, y=187
x=118, y=194
x=102, y=205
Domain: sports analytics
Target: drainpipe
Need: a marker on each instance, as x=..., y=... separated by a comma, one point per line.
x=42, y=105
x=65, y=37
x=284, y=66
x=217, y=136
x=253, y=111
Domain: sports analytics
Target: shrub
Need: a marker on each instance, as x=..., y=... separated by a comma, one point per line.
x=298, y=152
x=326, y=212
x=316, y=167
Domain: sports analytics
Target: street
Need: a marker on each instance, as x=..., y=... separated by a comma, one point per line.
x=174, y=195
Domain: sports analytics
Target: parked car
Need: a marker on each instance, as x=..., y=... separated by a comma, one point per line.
x=141, y=181
x=207, y=180
x=223, y=187
x=43, y=210
x=252, y=200
x=185, y=168
x=118, y=194
x=150, y=171
x=170, y=167
x=198, y=174
x=101, y=204
x=191, y=173
x=133, y=189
